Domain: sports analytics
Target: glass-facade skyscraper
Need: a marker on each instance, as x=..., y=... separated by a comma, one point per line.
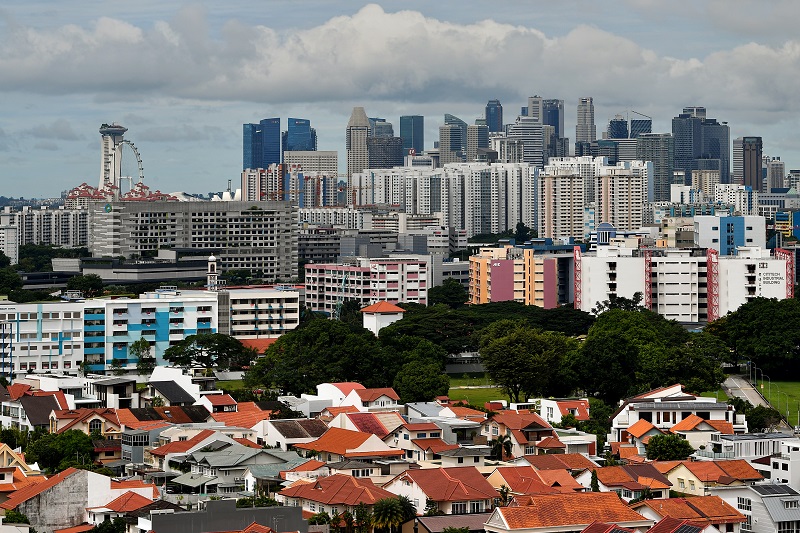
x=299, y=136
x=494, y=116
x=553, y=115
x=261, y=144
x=412, y=131
x=701, y=143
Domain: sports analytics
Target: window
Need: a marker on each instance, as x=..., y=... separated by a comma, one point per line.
x=626, y=493
x=460, y=460
x=459, y=508
x=312, y=506
x=95, y=426
x=745, y=504
x=476, y=507
x=785, y=466
x=748, y=524
x=681, y=483
x=691, y=484
x=792, y=526
x=790, y=504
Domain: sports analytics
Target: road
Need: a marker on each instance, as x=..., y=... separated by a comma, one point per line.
x=741, y=388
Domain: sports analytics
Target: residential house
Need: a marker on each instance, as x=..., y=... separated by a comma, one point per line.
x=269, y=477
x=667, y=406
x=473, y=523
x=338, y=444
x=747, y=446
x=137, y=418
x=24, y=408
x=114, y=392
x=15, y=474
x=676, y=525
x=575, y=441
x=704, y=510
x=631, y=481
x=329, y=413
x=552, y=410
x=284, y=434
x=102, y=422
x=218, y=403
x=574, y=462
x=783, y=467
x=249, y=415
x=403, y=437
x=767, y=507
x=639, y=433
x=428, y=449
x=524, y=428
x=162, y=456
x=167, y=394
x=699, y=432
x=332, y=494
x=380, y=424
x=552, y=513
x=458, y=490
x=522, y=480
x=384, y=399
x=697, y=477
x=130, y=501
x=223, y=515
x=464, y=456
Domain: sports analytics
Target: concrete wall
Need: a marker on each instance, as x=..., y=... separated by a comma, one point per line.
x=222, y=515
x=61, y=506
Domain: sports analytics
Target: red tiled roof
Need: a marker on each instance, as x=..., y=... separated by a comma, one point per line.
x=723, y=426
x=334, y=411
x=602, y=527
x=687, y=424
x=524, y=480
x=76, y=529
x=519, y=421
x=370, y=395
x=671, y=525
x=467, y=413
x=368, y=423
x=573, y=510
x=339, y=441
x=450, y=484
x=560, y=479
x=641, y=427
x=436, y=445
x=550, y=443
x=570, y=461
x=182, y=446
x=81, y=415
x=421, y=426
x=701, y=509
x=383, y=307
x=19, y=480
x=220, y=399
x=26, y=493
x=723, y=472
x=135, y=484
x=259, y=344
x=581, y=406
x=338, y=489
x=130, y=501
x=665, y=466
x=18, y=390
x=245, y=419
x=346, y=387
x=247, y=442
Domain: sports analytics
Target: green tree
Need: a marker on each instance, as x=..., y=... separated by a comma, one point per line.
x=407, y=507
x=110, y=526
x=501, y=447
x=9, y=280
x=12, y=516
x=362, y=516
x=90, y=285
x=505, y=495
x=450, y=293
x=117, y=368
x=762, y=418
x=350, y=313
x=58, y=451
x=320, y=518
x=522, y=233
x=387, y=514
x=432, y=508
x=140, y=350
x=205, y=350
x=668, y=448
x=594, y=484
x=421, y=381
x=451, y=529
x=620, y=302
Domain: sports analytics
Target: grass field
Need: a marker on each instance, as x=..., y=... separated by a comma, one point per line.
x=476, y=396
x=783, y=395
x=230, y=385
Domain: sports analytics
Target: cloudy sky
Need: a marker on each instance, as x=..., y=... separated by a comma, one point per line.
x=184, y=77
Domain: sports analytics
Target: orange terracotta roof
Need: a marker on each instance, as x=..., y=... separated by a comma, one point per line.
x=581, y=406
x=524, y=480
x=560, y=479
x=346, y=387
x=514, y=420
x=701, y=509
x=76, y=529
x=135, y=484
x=246, y=419
x=368, y=423
x=672, y=525
x=467, y=413
x=574, y=510
x=308, y=466
x=338, y=489
x=370, y=395
x=723, y=426
x=247, y=442
x=259, y=344
x=20, y=480
x=26, y=493
x=334, y=411
x=130, y=501
x=383, y=307
x=687, y=424
x=550, y=443
x=602, y=527
x=665, y=466
x=182, y=446
x=244, y=407
x=81, y=415
x=723, y=472
x=344, y=442
x=570, y=461
x=220, y=399
x=421, y=426
x=641, y=427
x=633, y=477
x=18, y=390
x=436, y=445
x=450, y=484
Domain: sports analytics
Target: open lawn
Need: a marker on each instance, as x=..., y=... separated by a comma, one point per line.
x=236, y=384
x=784, y=396
x=476, y=396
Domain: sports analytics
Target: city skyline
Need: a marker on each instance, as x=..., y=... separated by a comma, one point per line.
x=184, y=80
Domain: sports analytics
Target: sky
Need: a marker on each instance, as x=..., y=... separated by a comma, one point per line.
x=184, y=77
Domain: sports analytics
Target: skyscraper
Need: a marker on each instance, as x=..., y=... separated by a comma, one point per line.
x=261, y=144
x=535, y=108
x=494, y=116
x=378, y=127
x=356, y=143
x=385, y=152
x=751, y=163
x=737, y=166
x=477, y=137
x=640, y=126
x=701, y=143
x=412, y=131
x=450, y=143
x=553, y=115
x=658, y=148
x=617, y=128
x=299, y=136
x=455, y=121
x=585, y=130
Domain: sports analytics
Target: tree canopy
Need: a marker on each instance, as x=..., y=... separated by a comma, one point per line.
x=208, y=350
x=668, y=448
x=450, y=293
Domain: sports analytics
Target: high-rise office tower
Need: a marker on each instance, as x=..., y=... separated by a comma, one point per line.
x=535, y=108
x=659, y=148
x=412, y=131
x=530, y=133
x=701, y=143
x=751, y=163
x=477, y=137
x=299, y=136
x=737, y=163
x=553, y=115
x=585, y=130
x=494, y=116
x=776, y=174
x=455, y=121
x=385, y=152
x=261, y=144
x=378, y=127
x=640, y=126
x=356, y=137
x=617, y=128
x=450, y=144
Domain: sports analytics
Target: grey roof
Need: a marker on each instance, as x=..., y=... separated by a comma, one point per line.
x=349, y=465
x=197, y=413
x=436, y=524
x=273, y=471
x=426, y=409
x=114, y=381
x=757, y=436
x=683, y=406
x=467, y=451
x=774, y=489
x=778, y=511
x=231, y=455
x=173, y=392
x=157, y=505
x=38, y=408
x=193, y=480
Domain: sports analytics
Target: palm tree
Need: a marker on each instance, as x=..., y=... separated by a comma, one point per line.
x=387, y=514
x=409, y=510
x=501, y=447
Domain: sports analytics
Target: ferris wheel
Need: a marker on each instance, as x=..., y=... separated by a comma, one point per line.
x=127, y=173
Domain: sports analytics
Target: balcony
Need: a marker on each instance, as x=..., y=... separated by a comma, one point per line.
x=715, y=455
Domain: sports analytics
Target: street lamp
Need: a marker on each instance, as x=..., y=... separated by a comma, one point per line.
x=787, y=404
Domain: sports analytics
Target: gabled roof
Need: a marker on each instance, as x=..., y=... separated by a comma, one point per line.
x=676, y=525
x=338, y=489
x=450, y=484
x=570, y=461
x=693, y=422
x=700, y=509
x=344, y=442
x=723, y=472
x=156, y=505
x=182, y=445
x=130, y=501
x=435, y=445
x=19, y=479
x=334, y=411
x=524, y=480
x=581, y=406
x=383, y=307
x=640, y=428
x=368, y=423
x=632, y=477
x=81, y=528
x=550, y=443
x=173, y=392
x=81, y=415
x=346, y=387
x=300, y=428
x=245, y=419
x=31, y=491
x=422, y=426
x=520, y=421
x=135, y=484
x=574, y=510
x=370, y=395
x=38, y=408
x=247, y=442
x=602, y=527
x=219, y=400
x=17, y=390
x=560, y=479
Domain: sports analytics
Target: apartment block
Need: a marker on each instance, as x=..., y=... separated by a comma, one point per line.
x=60, y=227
